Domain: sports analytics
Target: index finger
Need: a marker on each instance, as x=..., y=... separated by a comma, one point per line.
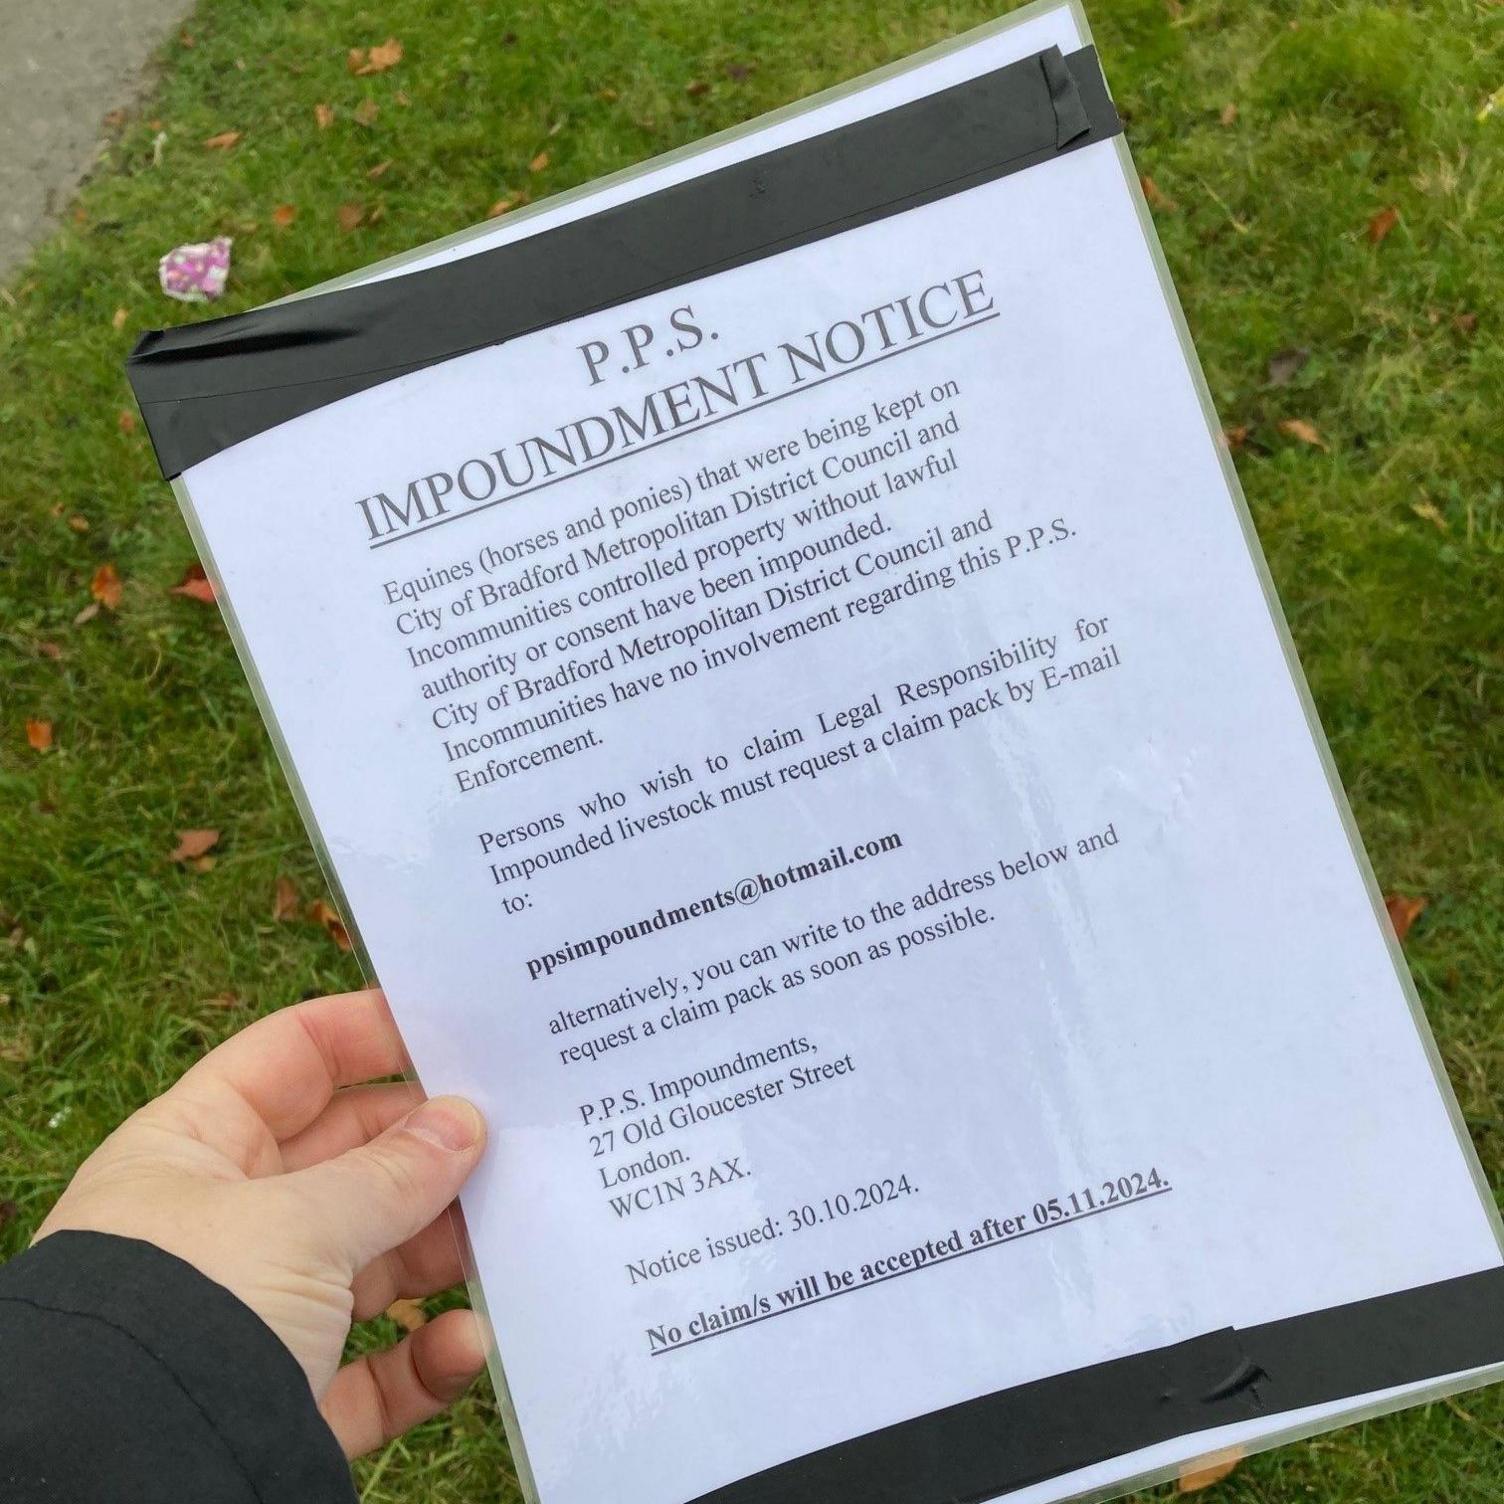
x=285, y=1067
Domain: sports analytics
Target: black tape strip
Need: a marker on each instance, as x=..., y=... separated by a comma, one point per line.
x=203, y=387
x=1008, y=1440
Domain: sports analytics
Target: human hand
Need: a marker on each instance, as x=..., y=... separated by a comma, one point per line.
x=313, y=1198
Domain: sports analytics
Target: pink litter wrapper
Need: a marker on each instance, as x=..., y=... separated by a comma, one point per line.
x=196, y=273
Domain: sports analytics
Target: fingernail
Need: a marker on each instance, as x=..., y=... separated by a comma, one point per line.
x=450, y=1122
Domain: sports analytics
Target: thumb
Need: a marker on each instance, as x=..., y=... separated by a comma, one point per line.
x=371, y=1199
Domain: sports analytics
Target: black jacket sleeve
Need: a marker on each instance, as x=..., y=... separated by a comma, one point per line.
x=127, y=1377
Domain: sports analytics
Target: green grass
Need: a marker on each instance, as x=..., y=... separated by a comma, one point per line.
x=116, y=956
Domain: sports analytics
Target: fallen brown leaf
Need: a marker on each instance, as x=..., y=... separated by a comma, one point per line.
x=49, y=650
x=78, y=524
x=195, y=585
x=324, y=115
x=366, y=112
x=696, y=87
x=201, y=864
x=351, y=217
x=379, y=170
x=223, y=141
x=539, y=162
x=1465, y=323
x=1306, y=432
x=401, y=97
x=325, y=914
x=118, y=321
x=1403, y=912
x=193, y=844
x=1236, y=436
x=1158, y=198
x=502, y=205
x=1229, y=115
x=126, y=421
x=1286, y=365
x=284, y=901
x=39, y=735
x=88, y=614
x=284, y=214
x=408, y=1314
x=1382, y=223
x=106, y=587
x=1210, y=1470
x=377, y=59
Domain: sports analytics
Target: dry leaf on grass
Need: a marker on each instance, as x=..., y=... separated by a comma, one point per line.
x=408, y=1314
x=351, y=217
x=39, y=735
x=1229, y=115
x=283, y=215
x=539, y=162
x=1465, y=323
x=78, y=524
x=118, y=321
x=1430, y=512
x=284, y=900
x=106, y=587
x=1307, y=432
x=193, y=845
x=380, y=169
x=696, y=87
x=195, y=585
x=363, y=61
x=366, y=112
x=223, y=141
x=326, y=915
x=324, y=115
x=126, y=421
x=1209, y=1470
x=1382, y=223
x=1236, y=436
x=504, y=205
x=88, y=614
x=1403, y=912
x=1158, y=198
x=49, y=650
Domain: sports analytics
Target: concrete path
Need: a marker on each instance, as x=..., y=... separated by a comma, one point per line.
x=64, y=64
